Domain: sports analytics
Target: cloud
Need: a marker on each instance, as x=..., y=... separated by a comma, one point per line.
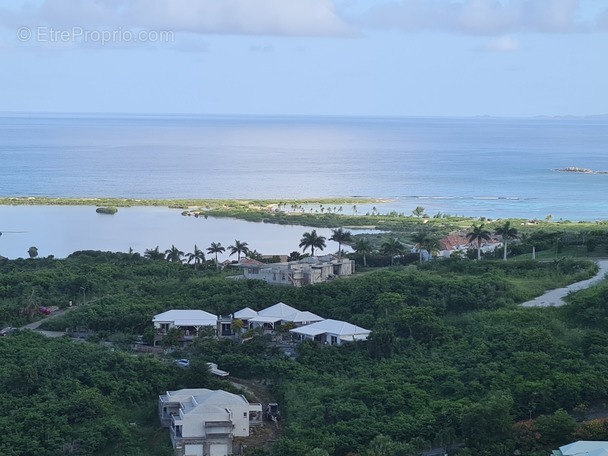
x=246, y=17
x=502, y=44
x=478, y=17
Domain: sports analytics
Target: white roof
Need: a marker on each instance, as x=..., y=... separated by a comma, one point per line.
x=186, y=318
x=305, y=316
x=245, y=314
x=342, y=329
x=214, y=404
x=265, y=319
x=585, y=448
x=182, y=395
x=280, y=309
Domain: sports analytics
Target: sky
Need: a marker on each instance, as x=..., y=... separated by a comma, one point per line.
x=305, y=57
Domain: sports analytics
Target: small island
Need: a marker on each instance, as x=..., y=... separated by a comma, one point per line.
x=107, y=210
x=576, y=169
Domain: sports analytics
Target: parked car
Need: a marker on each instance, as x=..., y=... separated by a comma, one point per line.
x=182, y=362
x=6, y=331
x=44, y=310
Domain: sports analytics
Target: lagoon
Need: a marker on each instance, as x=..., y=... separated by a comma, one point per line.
x=62, y=230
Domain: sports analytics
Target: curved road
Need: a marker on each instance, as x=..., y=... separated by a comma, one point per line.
x=555, y=297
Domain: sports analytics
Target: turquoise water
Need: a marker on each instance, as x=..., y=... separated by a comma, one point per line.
x=469, y=166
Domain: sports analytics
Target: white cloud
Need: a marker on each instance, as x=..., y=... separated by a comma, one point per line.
x=248, y=17
x=479, y=17
x=502, y=44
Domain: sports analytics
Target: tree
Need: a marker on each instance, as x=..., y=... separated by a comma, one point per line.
x=507, y=232
x=478, y=234
x=421, y=239
x=174, y=255
x=363, y=247
x=154, y=254
x=255, y=255
x=418, y=212
x=31, y=305
x=392, y=248
x=32, y=252
x=198, y=256
x=313, y=241
x=389, y=302
x=341, y=237
x=214, y=249
x=294, y=256
x=238, y=248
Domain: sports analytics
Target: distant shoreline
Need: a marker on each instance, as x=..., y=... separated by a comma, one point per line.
x=182, y=203
x=576, y=169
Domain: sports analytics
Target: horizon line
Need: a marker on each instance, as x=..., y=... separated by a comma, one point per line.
x=292, y=115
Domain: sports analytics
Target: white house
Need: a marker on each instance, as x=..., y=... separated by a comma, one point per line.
x=459, y=245
x=583, y=448
x=272, y=316
x=280, y=314
x=309, y=270
x=245, y=314
x=333, y=332
x=191, y=321
x=203, y=422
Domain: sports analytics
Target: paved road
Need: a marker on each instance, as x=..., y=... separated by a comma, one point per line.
x=34, y=326
x=555, y=297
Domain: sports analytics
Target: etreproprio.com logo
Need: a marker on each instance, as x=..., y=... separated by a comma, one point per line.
x=46, y=34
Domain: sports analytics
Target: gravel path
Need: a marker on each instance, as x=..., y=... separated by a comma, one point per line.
x=554, y=297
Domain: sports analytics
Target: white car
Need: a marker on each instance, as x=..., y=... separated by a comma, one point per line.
x=182, y=362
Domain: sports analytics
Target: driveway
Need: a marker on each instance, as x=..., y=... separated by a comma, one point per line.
x=554, y=298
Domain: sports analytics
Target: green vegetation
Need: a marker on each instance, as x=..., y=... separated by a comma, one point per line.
x=451, y=358
x=60, y=397
x=107, y=210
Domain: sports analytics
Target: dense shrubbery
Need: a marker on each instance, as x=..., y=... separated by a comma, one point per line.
x=107, y=210
x=450, y=360
x=61, y=397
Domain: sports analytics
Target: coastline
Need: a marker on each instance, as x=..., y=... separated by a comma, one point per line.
x=180, y=203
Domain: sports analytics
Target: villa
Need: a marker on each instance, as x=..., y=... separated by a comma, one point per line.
x=460, y=245
x=190, y=321
x=204, y=422
x=307, y=271
x=281, y=314
x=332, y=332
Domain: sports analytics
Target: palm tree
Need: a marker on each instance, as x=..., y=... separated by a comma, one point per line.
x=312, y=240
x=255, y=255
x=214, y=249
x=154, y=254
x=392, y=248
x=238, y=248
x=507, y=232
x=420, y=239
x=426, y=242
x=478, y=234
x=363, y=247
x=341, y=237
x=174, y=255
x=198, y=256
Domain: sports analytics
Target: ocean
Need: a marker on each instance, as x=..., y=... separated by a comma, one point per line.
x=486, y=167
x=490, y=167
